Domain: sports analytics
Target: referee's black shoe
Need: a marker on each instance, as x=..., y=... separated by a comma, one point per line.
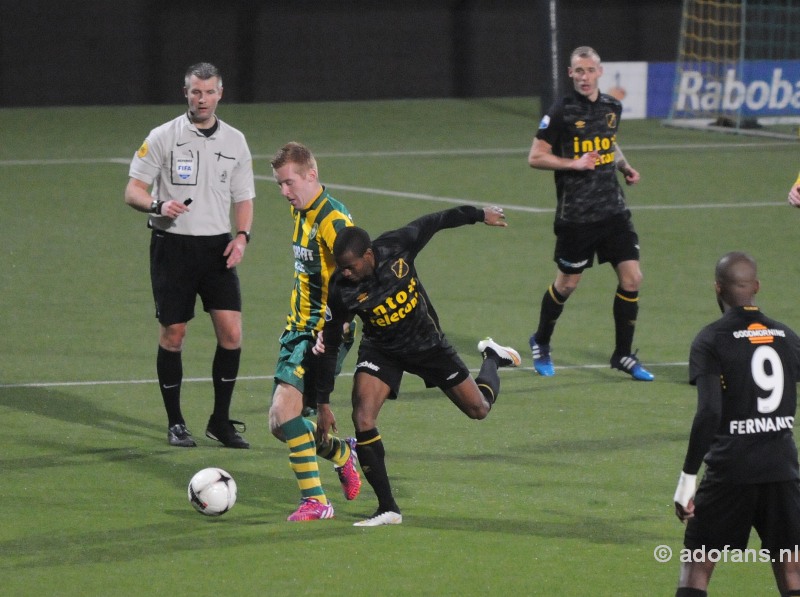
x=178, y=435
x=225, y=432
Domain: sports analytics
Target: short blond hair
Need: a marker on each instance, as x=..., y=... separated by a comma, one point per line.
x=294, y=153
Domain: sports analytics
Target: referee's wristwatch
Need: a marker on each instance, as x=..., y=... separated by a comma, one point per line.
x=155, y=207
x=244, y=233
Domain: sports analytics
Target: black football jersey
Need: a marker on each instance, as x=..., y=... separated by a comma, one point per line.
x=395, y=310
x=574, y=126
x=757, y=360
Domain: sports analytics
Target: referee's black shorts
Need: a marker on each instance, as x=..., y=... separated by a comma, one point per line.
x=439, y=367
x=183, y=267
x=726, y=512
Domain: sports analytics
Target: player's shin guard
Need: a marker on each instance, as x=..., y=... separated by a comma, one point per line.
x=169, y=367
x=371, y=456
x=223, y=373
x=299, y=436
x=626, y=309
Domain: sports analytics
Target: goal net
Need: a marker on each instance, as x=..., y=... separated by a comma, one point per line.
x=738, y=67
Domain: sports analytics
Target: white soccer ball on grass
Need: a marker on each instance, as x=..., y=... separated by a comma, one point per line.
x=212, y=491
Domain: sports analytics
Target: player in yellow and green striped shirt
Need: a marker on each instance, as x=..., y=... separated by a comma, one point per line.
x=317, y=219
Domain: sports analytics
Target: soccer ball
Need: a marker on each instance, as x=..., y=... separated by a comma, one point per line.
x=212, y=491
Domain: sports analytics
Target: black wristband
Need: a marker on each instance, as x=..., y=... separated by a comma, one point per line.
x=246, y=235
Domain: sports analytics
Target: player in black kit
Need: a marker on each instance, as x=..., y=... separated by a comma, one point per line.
x=577, y=138
x=377, y=281
x=746, y=367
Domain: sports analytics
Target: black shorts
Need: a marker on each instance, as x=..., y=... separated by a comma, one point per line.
x=725, y=512
x=440, y=367
x=182, y=267
x=613, y=240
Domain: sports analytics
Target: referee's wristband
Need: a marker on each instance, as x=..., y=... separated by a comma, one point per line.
x=246, y=235
x=687, y=485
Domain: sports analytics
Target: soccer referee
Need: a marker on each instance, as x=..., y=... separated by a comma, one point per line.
x=186, y=175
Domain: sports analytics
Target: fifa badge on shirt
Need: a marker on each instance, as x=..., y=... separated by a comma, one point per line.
x=184, y=167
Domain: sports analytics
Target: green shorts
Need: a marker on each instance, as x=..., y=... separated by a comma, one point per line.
x=296, y=363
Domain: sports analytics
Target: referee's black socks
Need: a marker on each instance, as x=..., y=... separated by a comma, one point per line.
x=169, y=367
x=223, y=373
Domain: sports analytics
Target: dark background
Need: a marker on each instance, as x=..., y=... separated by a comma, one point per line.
x=114, y=52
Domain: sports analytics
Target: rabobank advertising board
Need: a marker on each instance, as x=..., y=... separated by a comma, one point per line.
x=761, y=89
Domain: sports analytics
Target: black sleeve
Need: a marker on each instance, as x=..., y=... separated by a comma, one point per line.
x=332, y=339
x=420, y=231
x=706, y=421
x=551, y=126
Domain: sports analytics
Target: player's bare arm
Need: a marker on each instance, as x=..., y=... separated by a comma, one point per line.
x=630, y=174
x=326, y=422
x=541, y=157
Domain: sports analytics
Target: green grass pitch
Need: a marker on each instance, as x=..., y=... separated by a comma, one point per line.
x=565, y=489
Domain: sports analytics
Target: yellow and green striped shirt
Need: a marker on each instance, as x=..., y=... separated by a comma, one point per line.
x=315, y=231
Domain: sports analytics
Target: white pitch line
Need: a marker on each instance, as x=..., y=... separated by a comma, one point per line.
x=425, y=196
x=525, y=208
x=417, y=153
x=122, y=382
